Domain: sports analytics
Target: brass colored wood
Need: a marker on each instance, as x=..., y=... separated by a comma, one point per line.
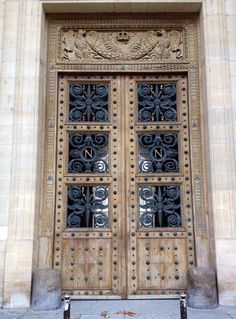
x=153, y=252
x=90, y=257
x=123, y=260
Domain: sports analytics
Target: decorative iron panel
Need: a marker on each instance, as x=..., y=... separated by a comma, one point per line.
x=88, y=102
x=88, y=153
x=159, y=206
x=158, y=153
x=87, y=206
x=157, y=102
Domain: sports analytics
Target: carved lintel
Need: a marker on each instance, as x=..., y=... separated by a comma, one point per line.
x=92, y=46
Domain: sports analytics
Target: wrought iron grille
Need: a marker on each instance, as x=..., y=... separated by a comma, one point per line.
x=159, y=206
x=87, y=206
x=157, y=102
x=88, y=153
x=158, y=153
x=88, y=102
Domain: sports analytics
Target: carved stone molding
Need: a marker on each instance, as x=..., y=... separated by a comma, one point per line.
x=93, y=46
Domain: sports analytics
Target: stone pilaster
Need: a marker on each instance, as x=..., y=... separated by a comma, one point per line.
x=19, y=145
x=220, y=146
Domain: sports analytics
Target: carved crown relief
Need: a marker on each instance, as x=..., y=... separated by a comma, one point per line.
x=82, y=45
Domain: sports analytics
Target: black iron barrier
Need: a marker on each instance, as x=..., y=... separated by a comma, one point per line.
x=183, y=307
x=66, y=307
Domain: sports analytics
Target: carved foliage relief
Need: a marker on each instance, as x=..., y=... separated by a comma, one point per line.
x=83, y=46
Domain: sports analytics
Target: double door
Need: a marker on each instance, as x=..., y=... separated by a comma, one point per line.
x=123, y=217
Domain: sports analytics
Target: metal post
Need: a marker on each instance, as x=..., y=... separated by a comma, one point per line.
x=67, y=307
x=183, y=307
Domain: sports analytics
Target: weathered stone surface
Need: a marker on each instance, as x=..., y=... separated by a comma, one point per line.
x=46, y=290
x=202, y=291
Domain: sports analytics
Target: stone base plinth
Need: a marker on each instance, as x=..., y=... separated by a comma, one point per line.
x=46, y=290
x=202, y=291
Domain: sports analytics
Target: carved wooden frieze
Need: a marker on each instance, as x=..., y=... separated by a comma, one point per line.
x=93, y=46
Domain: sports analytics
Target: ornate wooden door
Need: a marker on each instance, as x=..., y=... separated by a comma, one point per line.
x=123, y=194
x=91, y=216
x=160, y=244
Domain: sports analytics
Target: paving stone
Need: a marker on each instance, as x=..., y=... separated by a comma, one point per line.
x=58, y=314
x=145, y=309
x=228, y=309
x=12, y=313
x=96, y=307
x=111, y=316
x=210, y=314
x=153, y=316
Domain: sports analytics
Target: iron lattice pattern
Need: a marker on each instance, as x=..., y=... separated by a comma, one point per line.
x=88, y=102
x=159, y=206
x=88, y=153
x=158, y=153
x=87, y=206
x=157, y=102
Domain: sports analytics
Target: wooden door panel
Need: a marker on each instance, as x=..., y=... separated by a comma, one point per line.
x=161, y=264
x=86, y=260
x=89, y=237
x=159, y=216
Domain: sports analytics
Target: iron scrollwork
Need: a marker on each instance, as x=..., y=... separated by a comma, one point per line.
x=158, y=153
x=87, y=206
x=160, y=206
x=88, y=102
x=88, y=153
x=157, y=102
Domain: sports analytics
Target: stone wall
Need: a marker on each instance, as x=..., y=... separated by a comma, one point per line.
x=225, y=196
x=22, y=79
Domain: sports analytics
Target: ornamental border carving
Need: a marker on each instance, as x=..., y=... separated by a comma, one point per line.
x=121, y=40
x=89, y=46
x=122, y=28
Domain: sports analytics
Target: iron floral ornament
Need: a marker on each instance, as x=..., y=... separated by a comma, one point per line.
x=157, y=102
x=88, y=153
x=158, y=153
x=87, y=206
x=88, y=102
x=160, y=206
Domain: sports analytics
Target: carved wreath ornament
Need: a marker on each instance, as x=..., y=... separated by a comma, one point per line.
x=84, y=45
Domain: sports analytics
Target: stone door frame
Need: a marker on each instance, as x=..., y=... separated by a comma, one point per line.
x=21, y=240
x=63, y=32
